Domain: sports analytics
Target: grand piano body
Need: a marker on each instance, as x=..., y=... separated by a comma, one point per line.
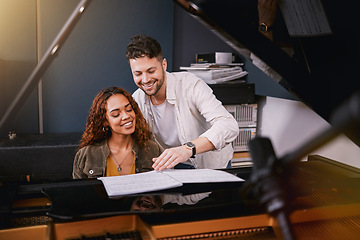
x=320, y=197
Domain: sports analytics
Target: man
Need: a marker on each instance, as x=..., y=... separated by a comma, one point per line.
x=185, y=117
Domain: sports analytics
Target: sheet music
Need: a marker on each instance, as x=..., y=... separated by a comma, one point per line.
x=138, y=183
x=201, y=176
x=159, y=180
x=305, y=18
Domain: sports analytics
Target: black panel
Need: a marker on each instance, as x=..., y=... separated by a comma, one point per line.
x=38, y=157
x=241, y=93
x=331, y=74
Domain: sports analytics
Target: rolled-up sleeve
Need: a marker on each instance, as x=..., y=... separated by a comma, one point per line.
x=224, y=128
x=207, y=117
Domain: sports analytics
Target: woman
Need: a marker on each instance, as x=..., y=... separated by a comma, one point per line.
x=116, y=140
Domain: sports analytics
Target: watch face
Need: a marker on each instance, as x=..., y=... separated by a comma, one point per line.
x=190, y=144
x=262, y=28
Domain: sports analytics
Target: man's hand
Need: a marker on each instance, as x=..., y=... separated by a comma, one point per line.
x=171, y=157
x=267, y=11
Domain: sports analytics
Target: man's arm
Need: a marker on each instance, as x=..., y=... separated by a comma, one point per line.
x=267, y=13
x=224, y=128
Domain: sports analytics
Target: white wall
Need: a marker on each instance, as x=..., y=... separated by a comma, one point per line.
x=289, y=124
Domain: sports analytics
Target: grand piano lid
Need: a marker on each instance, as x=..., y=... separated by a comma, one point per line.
x=322, y=73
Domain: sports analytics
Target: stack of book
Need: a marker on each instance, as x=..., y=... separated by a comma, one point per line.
x=213, y=73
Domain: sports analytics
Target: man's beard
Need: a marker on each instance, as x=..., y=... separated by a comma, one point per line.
x=158, y=83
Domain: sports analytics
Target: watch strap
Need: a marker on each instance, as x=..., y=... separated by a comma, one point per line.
x=191, y=146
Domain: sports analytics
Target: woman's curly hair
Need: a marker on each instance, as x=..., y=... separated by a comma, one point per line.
x=97, y=129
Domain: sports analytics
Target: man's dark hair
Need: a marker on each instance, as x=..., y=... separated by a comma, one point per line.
x=141, y=46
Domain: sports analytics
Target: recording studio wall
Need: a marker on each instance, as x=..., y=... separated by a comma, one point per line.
x=92, y=58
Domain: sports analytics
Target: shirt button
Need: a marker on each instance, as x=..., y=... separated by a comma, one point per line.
x=136, y=170
x=91, y=171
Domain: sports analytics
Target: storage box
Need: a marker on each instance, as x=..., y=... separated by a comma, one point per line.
x=217, y=57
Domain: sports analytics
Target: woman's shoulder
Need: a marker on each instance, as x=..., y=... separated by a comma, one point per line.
x=92, y=147
x=153, y=144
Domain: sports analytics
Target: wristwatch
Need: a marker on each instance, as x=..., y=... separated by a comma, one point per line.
x=191, y=146
x=265, y=28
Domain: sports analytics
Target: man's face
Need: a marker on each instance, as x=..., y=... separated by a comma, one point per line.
x=148, y=74
x=146, y=203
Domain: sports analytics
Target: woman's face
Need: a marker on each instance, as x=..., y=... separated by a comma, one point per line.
x=120, y=115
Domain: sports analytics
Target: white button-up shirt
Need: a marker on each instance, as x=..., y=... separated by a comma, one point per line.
x=198, y=114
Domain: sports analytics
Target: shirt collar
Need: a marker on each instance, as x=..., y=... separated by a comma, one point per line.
x=170, y=88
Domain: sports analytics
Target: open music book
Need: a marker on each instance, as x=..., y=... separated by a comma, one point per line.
x=160, y=180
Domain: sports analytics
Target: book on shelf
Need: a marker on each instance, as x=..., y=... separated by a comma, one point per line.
x=210, y=66
x=160, y=180
x=241, y=159
x=236, y=76
x=215, y=75
x=241, y=164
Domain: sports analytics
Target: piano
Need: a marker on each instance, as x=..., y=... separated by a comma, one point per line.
x=324, y=201
x=281, y=197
